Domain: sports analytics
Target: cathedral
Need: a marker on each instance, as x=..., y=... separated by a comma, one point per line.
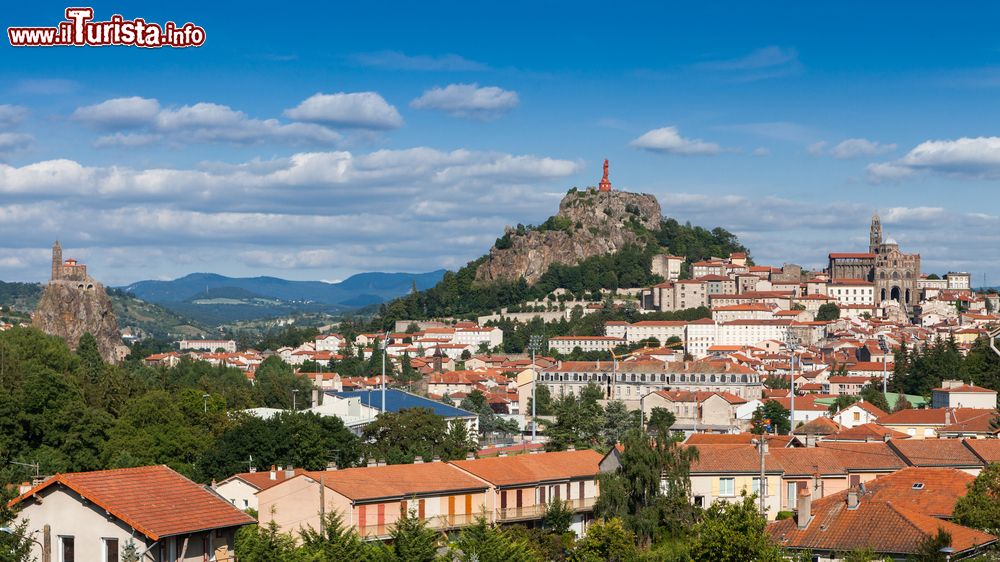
x=893, y=273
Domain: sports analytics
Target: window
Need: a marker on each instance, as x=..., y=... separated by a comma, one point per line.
x=110, y=550
x=67, y=549
x=755, y=487
x=727, y=487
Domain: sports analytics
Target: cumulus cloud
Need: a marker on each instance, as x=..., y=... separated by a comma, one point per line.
x=12, y=115
x=362, y=110
x=147, y=122
x=395, y=60
x=851, y=148
x=12, y=142
x=415, y=209
x=119, y=113
x=669, y=140
x=977, y=157
x=468, y=100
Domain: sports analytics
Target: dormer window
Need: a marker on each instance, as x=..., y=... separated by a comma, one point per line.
x=918, y=485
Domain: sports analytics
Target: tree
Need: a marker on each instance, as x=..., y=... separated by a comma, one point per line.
x=901, y=403
x=660, y=420
x=617, y=421
x=256, y=544
x=335, y=542
x=733, y=532
x=544, y=397
x=980, y=506
x=929, y=549
x=579, y=420
x=771, y=417
x=477, y=403
x=276, y=383
x=558, y=516
x=872, y=394
x=482, y=542
x=412, y=541
x=14, y=546
x=398, y=437
x=841, y=402
x=828, y=311
x=606, y=541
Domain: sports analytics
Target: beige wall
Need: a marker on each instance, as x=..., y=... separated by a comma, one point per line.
x=89, y=525
x=709, y=487
x=238, y=493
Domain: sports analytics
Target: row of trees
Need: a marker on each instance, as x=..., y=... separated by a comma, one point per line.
x=918, y=371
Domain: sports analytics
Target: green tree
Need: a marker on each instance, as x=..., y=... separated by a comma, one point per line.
x=336, y=542
x=398, y=437
x=606, y=541
x=733, y=532
x=841, y=402
x=482, y=542
x=14, y=546
x=267, y=544
x=929, y=549
x=617, y=421
x=980, y=506
x=412, y=541
x=579, y=420
x=558, y=516
x=544, y=397
x=660, y=420
x=770, y=417
x=276, y=384
x=828, y=311
x=872, y=393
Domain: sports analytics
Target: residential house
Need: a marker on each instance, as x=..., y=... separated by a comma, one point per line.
x=723, y=472
x=92, y=516
x=951, y=453
x=858, y=413
x=925, y=423
x=241, y=489
x=958, y=394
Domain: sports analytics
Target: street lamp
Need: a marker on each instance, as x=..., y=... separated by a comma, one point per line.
x=534, y=342
x=295, y=393
x=885, y=357
x=792, y=342
x=204, y=399
x=947, y=551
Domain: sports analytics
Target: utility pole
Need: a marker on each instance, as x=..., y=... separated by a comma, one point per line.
x=762, y=489
x=534, y=342
x=792, y=342
x=322, y=505
x=385, y=342
x=885, y=358
x=295, y=393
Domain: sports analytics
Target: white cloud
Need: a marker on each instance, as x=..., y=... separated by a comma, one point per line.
x=11, y=142
x=11, y=115
x=669, y=140
x=362, y=110
x=761, y=151
x=394, y=60
x=818, y=148
x=977, y=157
x=853, y=148
x=468, y=100
x=767, y=62
x=149, y=123
x=119, y=113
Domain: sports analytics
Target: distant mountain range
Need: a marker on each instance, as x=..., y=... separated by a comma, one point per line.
x=354, y=292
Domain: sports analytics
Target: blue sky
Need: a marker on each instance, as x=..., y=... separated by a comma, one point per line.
x=328, y=139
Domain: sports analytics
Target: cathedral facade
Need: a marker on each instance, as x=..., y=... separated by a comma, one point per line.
x=893, y=273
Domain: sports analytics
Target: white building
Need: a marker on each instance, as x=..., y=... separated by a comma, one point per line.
x=852, y=291
x=227, y=346
x=566, y=344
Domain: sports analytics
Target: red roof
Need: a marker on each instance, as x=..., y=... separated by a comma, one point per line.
x=154, y=500
x=263, y=480
x=858, y=255
x=531, y=469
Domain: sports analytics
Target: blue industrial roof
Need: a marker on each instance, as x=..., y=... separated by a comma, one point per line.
x=396, y=400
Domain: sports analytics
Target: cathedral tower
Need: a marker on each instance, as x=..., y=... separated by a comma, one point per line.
x=56, y=260
x=876, y=234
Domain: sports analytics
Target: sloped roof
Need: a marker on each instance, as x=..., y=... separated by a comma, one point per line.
x=154, y=500
x=737, y=439
x=808, y=461
x=732, y=459
x=986, y=449
x=818, y=426
x=396, y=400
x=531, y=469
x=866, y=432
x=864, y=457
x=935, y=452
x=262, y=479
x=397, y=480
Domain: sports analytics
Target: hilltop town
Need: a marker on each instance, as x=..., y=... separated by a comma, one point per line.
x=808, y=396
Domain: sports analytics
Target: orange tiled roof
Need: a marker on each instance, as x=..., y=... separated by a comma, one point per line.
x=736, y=439
x=397, y=480
x=731, y=459
x=262, y=479
x=530, y=469
x=986, y=449
x=935, y=452
x=931, y=416
x=806, y=461
x=154, y=500
x=865, y=457
x=867, y=432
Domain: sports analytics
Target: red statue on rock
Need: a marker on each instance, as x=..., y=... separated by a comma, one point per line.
x=605, y=182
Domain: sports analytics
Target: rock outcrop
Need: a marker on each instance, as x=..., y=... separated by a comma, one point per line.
x=589, y=223
x=73, y=304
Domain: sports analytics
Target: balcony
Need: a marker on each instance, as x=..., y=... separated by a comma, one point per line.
x=439, y=523
x=537, y=511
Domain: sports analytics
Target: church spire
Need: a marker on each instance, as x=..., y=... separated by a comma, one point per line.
x=876, y=234
x=56, y=260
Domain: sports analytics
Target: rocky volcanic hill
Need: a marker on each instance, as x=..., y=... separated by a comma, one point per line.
x=589, y=223
x=67, y=311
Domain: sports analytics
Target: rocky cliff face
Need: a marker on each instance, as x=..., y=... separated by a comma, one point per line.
x=69, y=309
x=589, y=223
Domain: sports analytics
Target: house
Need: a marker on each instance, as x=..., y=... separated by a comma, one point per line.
x=694, y=411
x=864, y=461
x=241, y=489
x=396, y=400
x=925, y=423
x=723, y=472
x=957, y=394
x=94, y=515
x=891, y=516
x=522, y=486
x=951, y=453
x=866, y=433
x=859, y=413
x=809, y=468
x=371, y=499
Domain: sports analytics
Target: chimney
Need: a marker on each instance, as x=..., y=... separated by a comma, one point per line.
x=372, y=463
x=289, y=472
x=470, y=456
x=331, y=465
x=886, y=437
x=571, y=448
x=253, y=469
x=436, y=459
x=418, y=460
x=853, y=498
x=502, y=454
x=273, y=475
x=804, y=508
x=315, y=396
